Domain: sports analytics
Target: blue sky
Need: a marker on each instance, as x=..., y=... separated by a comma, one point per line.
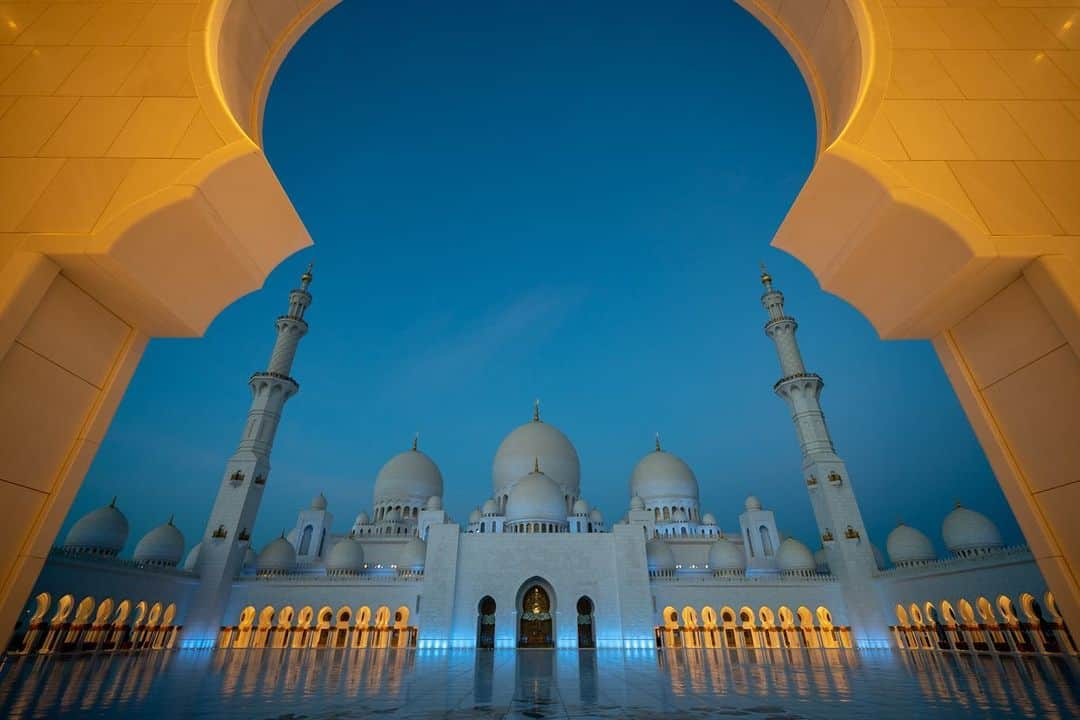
x=566, y=201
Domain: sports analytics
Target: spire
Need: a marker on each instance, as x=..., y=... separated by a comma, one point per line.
x=536, y=464
x=658, y=448
x=171, y=519
x=766, y=278
x=112, y=503
x=536, y=410
x=305, y=279
x=415, y=441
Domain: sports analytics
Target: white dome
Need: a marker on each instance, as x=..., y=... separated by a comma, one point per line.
x=536, y=497
x=636, y=503
x=363, y=518
x=658, y=555
x=752, y=503
x=192, y=558
x=278, y=556
x=347, y=556
x=413, y=555
x=250, y=558
x=434, y=503
x=907, y=545
x=596, y=516
x=536, y=439
x=410, y=476
x=490, y=507
x=965, y=530
x=708, y=519
x=102, y=531
x=821, y=560
x=795, y=557
x=581, y=507
x=663, y=476
x=318, y=502
x=164, y=545
x=726, y=555
x=474, y=516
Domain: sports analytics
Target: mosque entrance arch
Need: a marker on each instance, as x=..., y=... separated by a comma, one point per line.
x=485, y=623
x=536, y=626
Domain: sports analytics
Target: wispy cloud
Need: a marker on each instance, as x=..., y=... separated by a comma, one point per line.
x=523, y=324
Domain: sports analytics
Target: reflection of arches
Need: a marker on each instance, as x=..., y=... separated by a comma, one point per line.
x=536, y=626
x=485, y=623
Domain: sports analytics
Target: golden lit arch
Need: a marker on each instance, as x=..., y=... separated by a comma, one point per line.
x=122, y=612
x=671, y=618
x=401, y=617
x=306, y=616
x=708, y=617
x=363, y=616
x=104, y=610
x=84, y=610
x=169, y=614
x=41, y=606
x=382, y=617
x=902, y=616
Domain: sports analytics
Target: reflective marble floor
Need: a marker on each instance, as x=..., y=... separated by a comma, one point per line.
x=325, y=684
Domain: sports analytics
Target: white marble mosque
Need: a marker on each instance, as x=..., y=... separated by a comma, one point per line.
x=535, y=565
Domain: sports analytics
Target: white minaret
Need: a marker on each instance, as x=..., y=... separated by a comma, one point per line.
x=228, y=531
x=847, y=545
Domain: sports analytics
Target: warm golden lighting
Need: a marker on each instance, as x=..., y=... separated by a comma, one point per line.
x=1068, y=24
x=12, y=24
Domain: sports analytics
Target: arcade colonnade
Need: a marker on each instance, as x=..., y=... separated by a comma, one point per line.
x=138, y=203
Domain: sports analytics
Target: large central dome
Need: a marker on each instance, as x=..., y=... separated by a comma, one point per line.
x=536, y=440
x=409, y=477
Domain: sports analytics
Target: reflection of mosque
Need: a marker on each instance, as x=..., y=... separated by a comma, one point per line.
x=534, y=566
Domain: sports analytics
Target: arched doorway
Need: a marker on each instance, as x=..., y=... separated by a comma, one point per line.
x=485, y=623
x=586, y=635
x=536, y=628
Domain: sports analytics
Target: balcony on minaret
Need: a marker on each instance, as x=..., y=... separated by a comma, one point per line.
x=244, y=536
x=827, y=536
x=237, y=478
x=811, y=481
x=220, y=534
x=259, y=480
x=835, y=479
x=851, y=533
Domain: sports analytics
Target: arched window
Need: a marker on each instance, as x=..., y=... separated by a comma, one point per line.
x=766, y=541
x=305, y=540
x=749, y=542
x=322, y=541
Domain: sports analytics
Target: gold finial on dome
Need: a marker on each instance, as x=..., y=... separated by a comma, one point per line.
x=536, y=410
x=171, y=519
x=415, y=441
x=536, y=464
x=658, y=448
x=112, y=503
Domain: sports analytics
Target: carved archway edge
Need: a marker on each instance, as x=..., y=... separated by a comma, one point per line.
x=907, y=260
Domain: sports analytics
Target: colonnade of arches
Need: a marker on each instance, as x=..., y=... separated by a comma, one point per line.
x=535, y=527
x=89, y=626
x=746, y=628
x=327, y=628
x=984, y=626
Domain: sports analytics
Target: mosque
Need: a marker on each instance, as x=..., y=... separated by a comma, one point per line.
x=534, y=565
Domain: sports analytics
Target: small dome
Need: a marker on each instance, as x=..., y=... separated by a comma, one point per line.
x=536, y=439
x=708, y=519
x=965, y=530
x=413, y=555
x=474, y=516
x=490, y=507
x=250, y=558
x=318, y=502
x=821, y=560
x=596, y=516
x=363, y=518
x=103, y=531
x=434, y=503
x=794, y=557
x=536, y=497
x=752, y=503
x=636, y=503
x=661, y=475
x=581, y=507
x=192, y=558
x=906, y=545
x=277, y=557
x=410, y=476
x=164, y=545
x=346, y=557
x=658, y=555
x=724, y=555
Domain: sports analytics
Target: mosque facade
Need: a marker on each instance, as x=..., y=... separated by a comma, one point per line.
x=535, y=565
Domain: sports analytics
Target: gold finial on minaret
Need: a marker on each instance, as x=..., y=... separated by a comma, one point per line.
x=306, y=278
x=658, y=448
x=536, y=410
x=766, y=278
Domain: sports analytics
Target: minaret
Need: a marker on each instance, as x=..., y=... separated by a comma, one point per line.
x=232, y=519
x=847, y=545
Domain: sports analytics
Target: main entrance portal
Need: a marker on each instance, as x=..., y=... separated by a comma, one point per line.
x=535, y=628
